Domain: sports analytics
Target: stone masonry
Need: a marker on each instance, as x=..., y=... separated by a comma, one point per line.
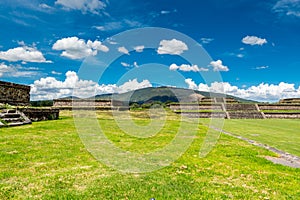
x=233, y=110
x=14, y=94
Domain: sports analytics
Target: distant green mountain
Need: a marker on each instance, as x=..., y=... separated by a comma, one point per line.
x=164, y=94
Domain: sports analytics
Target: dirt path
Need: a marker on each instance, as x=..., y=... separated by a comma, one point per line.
x=283, y=159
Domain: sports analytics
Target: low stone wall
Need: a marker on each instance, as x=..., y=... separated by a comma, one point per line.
x=279, y=106
x=238, y=111
x=246, y=115
x=231, y=100
x=14, y=94
x=203, y=114
x=196, y=107
x=283, y=115
x=290, y=101
x=240, y=107
x=35, y=114
x=218, y=100
x=88, y=104
x=81, y=103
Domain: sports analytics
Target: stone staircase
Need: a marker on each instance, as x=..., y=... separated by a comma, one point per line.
x=244, y=111
x=13, y=117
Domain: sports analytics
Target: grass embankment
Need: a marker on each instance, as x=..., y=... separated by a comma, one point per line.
x=47, y=160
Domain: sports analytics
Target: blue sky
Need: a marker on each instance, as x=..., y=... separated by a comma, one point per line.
x=105, y=46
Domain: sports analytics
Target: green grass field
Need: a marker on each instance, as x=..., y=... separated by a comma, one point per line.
x=280, y=133
x=283, y=134
x=47, y=160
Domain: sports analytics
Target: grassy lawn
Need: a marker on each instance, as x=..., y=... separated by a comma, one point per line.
x=283, y=134
x=47, y=160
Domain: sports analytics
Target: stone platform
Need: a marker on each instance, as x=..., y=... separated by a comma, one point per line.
x=22, y=116
x=233, y=110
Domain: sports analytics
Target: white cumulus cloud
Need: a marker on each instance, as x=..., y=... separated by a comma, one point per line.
x=76, y=48
x=187, y=68
x=191, y=84
x=172, y=47
x=133, y=85
x=51, y=88
x=263, y=92
x=123, y=50
x=139, y=48
x=218, y=66
x=85, y=6
x=24, y=53
x=254, y=40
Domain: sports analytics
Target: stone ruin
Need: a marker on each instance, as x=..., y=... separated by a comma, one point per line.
x=87, y=104
x=14, y=110
x=198, y=106
x=14, y=94
x=229, y=108
x=203, y=107
x=290, y=101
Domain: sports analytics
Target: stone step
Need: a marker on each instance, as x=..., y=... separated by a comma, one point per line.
x=11, y=120
x=10, y=115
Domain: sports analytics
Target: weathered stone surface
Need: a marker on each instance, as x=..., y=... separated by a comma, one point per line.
x=283, y=115
x=245, y=115
x=81, y=103
x=14, y=94
x=203, y=114
x=238, y=110
x=279, y=106
x=290, y=100
x=13, y=118
x=196, y=107
x=88, y=104
x=41, y=114
x=240, y=107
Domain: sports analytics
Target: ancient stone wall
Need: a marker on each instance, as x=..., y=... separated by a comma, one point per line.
x=291, y=100
x=238, y=111
x=203, y=114
x=246, y=115
x=14, y=94
x=279, y=106
x=81, y=103
x=196, y=106
x=283, y=115
x=41, y=114
x=241, y=107
x=89, y=104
